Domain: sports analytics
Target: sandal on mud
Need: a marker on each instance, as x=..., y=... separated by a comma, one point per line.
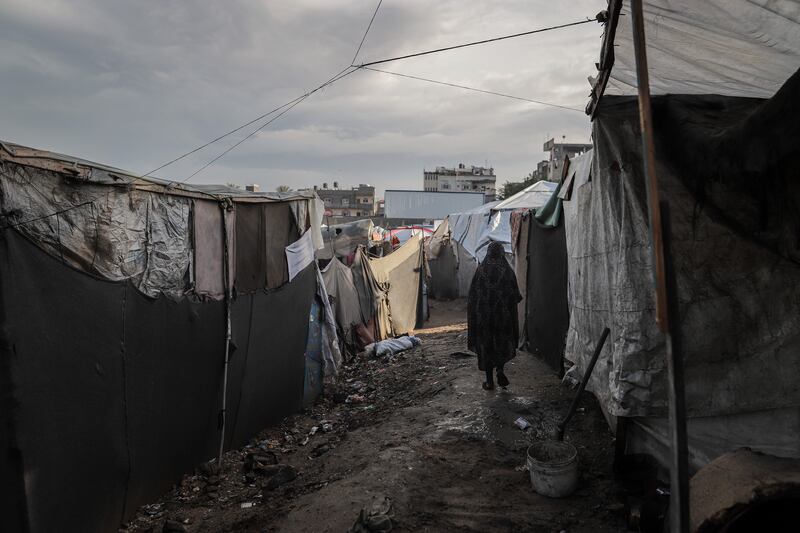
x=488, y=386
x=502, y=380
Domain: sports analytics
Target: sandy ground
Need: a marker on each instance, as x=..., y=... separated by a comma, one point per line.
x=419, y=430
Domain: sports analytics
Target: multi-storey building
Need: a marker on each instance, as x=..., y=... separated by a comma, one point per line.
x=462, y=179
x=354, y=202
x=551, y=168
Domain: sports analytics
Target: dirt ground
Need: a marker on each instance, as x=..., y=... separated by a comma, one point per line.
x=418, y=429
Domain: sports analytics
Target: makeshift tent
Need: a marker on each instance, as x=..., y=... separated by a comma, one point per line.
x=342, y=240
x=455, y=250
x=530, y=197
x=540, y=261
x=400, y=275
x=726, y=154
x=113, y=321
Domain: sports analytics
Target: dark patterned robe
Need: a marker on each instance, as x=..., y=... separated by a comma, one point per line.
x=492, y=310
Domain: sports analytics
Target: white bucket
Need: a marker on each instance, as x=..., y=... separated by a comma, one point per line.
x=553, y=466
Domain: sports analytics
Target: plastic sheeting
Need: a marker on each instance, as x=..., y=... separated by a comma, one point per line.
x=773, y=431
x=739, y=289
x=400, y=275
x=116, y=395
x=727, y=47
x=342, y=240
x=300, y=254
x=530, y=197
x=110, y=232
x=339, y=284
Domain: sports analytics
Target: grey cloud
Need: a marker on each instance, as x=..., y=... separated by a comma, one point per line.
x=133, y=84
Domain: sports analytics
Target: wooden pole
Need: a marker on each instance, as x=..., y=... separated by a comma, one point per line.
x=666, y=290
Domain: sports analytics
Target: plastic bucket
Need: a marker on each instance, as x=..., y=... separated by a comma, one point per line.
x=553, y=466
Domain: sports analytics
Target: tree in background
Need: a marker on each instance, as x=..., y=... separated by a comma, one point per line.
x=510, y=188
x=283, y=188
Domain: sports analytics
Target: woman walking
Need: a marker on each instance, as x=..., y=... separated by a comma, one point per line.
x=493, y=330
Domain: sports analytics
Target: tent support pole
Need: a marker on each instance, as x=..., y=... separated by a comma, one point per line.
x=666, y=294
x=226, y=277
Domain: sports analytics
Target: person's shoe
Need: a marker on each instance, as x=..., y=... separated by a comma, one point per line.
x=488, y=386
x=502, y=380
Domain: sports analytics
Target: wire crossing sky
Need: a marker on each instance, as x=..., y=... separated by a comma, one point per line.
x=290, y=105
x=162, y=88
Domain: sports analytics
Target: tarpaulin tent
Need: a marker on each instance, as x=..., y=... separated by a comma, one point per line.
x=726, y=84
x=400, y=275
x=113, y=320
x=540, y=262
x=342, y=240
x=467, y=236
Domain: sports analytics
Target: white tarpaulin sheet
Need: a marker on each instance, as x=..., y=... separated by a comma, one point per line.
x=300, y=254
x=727, y=47
x=531, y=197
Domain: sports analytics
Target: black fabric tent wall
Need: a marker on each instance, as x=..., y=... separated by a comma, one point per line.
x=109, y=397
x=444, y=282
x=547, y=311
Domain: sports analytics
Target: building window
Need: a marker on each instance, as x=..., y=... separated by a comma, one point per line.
x=327, y=201
x=345, y=201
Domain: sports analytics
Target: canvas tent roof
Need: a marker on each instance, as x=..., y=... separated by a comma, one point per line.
x=726, y=47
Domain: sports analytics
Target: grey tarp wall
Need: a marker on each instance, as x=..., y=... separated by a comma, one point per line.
x=111, y=358
x=340, y=285
x=728, y=166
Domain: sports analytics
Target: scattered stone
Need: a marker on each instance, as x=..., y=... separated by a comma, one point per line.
x=281, y=475
x=321, y=450
x=173, y=526
x=376, y=519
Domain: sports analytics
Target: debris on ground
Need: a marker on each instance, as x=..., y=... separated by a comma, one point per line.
x=418, y=421
x=375, y=519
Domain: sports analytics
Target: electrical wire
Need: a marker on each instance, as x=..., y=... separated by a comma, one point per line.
x=474, y=89
x=474, y=43
x=366, y=32
x=239, y=128
x=209, y=143
x=347, y=71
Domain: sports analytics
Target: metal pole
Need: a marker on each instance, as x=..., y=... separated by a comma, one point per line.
x=679, y=485
x=226, y=277
x=586, y=375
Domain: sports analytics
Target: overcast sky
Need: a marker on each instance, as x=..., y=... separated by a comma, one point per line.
x=134, y=84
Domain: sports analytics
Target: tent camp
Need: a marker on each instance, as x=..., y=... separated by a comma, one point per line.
x=726, y=138
x=376, y=298
x=117, y=296
x=460, y=242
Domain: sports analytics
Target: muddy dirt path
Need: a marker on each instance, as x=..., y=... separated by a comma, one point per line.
x=418, y=429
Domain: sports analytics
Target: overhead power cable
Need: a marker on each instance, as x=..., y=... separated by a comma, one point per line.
x=475, y=43
x=366, y=32
x=239, y=128
x=286, y=107
x=289, y=107
x=493, y=93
